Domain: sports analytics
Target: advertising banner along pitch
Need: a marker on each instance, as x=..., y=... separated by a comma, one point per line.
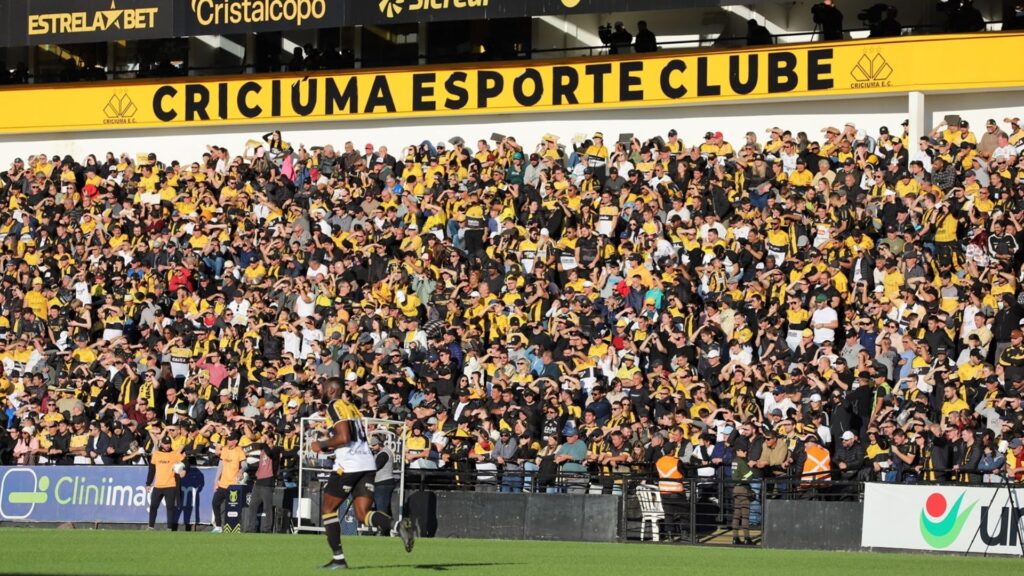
x=104, y=494
x=943, y=518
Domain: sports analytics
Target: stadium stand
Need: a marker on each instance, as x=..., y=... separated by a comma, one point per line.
x=549, y=316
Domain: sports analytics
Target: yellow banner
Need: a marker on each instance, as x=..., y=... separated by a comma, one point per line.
x=782, y=72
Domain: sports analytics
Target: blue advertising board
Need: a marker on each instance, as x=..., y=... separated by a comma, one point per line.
x=104, y=494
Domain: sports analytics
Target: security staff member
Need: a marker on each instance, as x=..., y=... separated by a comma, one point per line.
x=163, y=482
x=673, y=496
x=817, y=466
x=231, y=458
x=384, y=481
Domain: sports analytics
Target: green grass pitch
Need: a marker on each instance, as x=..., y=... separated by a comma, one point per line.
x=122, y=552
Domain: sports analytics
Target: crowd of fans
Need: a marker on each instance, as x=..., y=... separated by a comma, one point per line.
x=547, y=309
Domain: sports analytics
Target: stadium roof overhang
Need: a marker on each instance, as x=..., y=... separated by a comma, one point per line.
x=33, y=22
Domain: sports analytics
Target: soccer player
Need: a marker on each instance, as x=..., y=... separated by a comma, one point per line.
x=354, y=472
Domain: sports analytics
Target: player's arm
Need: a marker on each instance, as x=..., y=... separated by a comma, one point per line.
x=339, y=437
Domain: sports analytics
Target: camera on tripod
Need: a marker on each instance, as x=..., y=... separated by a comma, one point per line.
x=949, y=6
x=875, y=14
x=604, y=32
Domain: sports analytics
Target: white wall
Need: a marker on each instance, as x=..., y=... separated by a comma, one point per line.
x=734, y=120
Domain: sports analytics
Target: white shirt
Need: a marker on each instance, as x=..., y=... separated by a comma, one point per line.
x=771, y=404
x=82, y=293
x=824, y=315
x=788, y=162
x=970, y=311
x=292, y=343
x=321, y=269
x=1004, y=152
x=922, y=157
x=240, y=310
x=683, y=214
x=305, y=309
x=310, y=335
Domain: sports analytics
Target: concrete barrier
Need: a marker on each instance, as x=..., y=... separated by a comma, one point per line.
x=803, y=524
x=589, y=518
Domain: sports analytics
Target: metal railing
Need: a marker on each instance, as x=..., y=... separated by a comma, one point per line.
x=704, y=513
x=711, y=510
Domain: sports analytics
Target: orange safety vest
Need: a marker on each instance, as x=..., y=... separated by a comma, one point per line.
x=670, y=479
x=818, y=465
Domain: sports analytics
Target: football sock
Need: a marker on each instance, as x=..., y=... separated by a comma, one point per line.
x=380, y=521
x=332, y=525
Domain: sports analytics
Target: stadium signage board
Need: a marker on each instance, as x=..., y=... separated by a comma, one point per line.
x=114, y=494
x=941, y=518
x=199, y=17
x=848, y=69
x=33, y=22
x=399, y=11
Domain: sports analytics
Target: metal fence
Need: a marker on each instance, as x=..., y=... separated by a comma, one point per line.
x=713, y=510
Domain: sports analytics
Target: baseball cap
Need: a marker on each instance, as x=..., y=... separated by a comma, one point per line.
x=847, y=435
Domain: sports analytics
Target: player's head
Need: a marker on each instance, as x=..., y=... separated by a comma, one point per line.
x=332, y=390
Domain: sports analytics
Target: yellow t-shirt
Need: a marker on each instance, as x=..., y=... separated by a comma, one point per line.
x=231, y=462
x=164, y=463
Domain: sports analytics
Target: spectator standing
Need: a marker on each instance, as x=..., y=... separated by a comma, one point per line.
x=645, y=39
x=620, y=39
x=26, y=448
x=265, y=479
x=849, y=458
x=571, y=457
x=506, y=455
x=757, y=35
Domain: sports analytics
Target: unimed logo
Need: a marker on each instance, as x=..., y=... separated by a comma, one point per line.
x=22, y=490
x=940, y=524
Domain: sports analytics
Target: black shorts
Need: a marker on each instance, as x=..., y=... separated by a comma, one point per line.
x=355, y=483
